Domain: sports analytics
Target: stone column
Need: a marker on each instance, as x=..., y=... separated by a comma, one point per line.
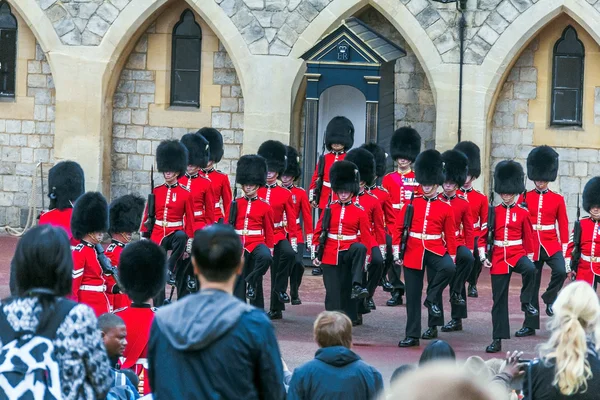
x=312, y=131
x=372, y=121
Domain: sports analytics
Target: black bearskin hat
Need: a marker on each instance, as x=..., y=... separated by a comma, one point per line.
x=406, y=144
x=429, y=168
x=344, y=177
x=215, y=141
x=509, y=178
x=251, y=170
x=365, y=162
x=66, y=182
x=591, y=194
x=90, y=214
x=275, y=153
x=339, y=131
x=198, y=149
x=126, y=214
x=542, y=164
x=380, y=157
x=293, y=163
x=171, y=156
x=456, y=167
x=471, y=150
x=142, y=270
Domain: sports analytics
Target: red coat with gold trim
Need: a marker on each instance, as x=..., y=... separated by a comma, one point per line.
x=302, y=208
x=330, y=158
x=254, y=222
x=479, y=215
x=372, y=207
x=60, y=218
x=462, y=220
x=400, y=187
x=512, y=224
x=589, y=263
x=89, y=286
x=385, y=199
x=284, y=214
x=221, y=192
x=202, y=199
x=113, y=253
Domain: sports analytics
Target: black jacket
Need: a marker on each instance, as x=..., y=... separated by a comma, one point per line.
x=210, y=345
x=540, y=376
x=335, y=373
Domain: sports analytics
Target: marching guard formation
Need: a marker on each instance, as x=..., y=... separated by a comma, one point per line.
x=372, y=230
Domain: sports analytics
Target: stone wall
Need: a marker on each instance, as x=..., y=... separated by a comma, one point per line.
x=135, y=140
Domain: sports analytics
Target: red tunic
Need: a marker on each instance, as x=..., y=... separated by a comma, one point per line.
x=302, y=207
x=462, y=220
x=138, y=320
x=347, y=220
x=513, y=237
x=432, y=229
x=174, y=212
x=254, y=222
x=330, y=158
x=372, y=207
x=202, y=199
x=221, y=192
x=89, y=286
x=56, y=217
x=386, y=205
x=400, y=187
x=284, y=214
x=113, y=253
x=479, y=215
x=589, y=263
x=545, y=210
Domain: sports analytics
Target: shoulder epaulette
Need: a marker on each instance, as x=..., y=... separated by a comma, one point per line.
x=205, y=177
x=285, y=188
x=359, y=206
x=154, y=309
x=370, y=194
x=157, y=186
x=111, y=247
x=523, y=207
x=219, y=171
x=79, y=247
x=586, y=217
x=120, y=309
x=300, y=188
x=460, y=196
x=184, y=187
x=382, y=188
x=263, y=200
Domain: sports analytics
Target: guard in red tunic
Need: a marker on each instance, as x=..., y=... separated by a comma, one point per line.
x=125, y=215
x=89, y=224
x=455, y=165
x=219, y=180
x=142, y=275
x=401, y=184
x=252, y=219
x=479, y=211
x=546, y=209
x=512, y=250
x=284, y=217
x=431, y=245
x=196, y=180
x=66, y=183
x=303, y=218
x=365, y=163
x=344, y=252
x=174, y=213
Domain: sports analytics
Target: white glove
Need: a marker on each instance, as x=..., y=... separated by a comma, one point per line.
x=564, y=250
x=453, y=259
x=568, y=265
x=530, y=256
x=294, y=243
x=309, y=238
x=188, y=247
x=382, y=249
x=396, y=251
x=313, y=252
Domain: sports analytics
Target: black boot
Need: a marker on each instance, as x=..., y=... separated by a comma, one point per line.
x=251, y=293
x=409, y=342
x=453, y=326
x=296, y=301
x=524, y=331
x=430, y=333
x=358, y=321
x=529, y=309
x=495, y=347
x=317, y=271
x=434, y=309
x=359, y=292
x=396, y=300
x=371, y=304
x=549, y=310
x=282, y=297
x=472, y=292
x=386, y=285
x=457, y=300
x=275, y=315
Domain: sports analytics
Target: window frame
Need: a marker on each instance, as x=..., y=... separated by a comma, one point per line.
x=556, y=55
x=174, y=70
x=4, y=94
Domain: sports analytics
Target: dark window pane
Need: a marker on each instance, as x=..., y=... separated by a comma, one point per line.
x=185, y=61
x=568, y=72
x=8, y=54
x=188, y=26
x=187, y=54
x=7, y=20
x=569, y=44
x=566, y=105
x=186, y=88
x=567, y=79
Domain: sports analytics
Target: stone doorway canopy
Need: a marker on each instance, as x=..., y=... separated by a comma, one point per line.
x=352, y=55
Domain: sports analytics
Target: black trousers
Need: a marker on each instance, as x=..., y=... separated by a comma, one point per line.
x=284, y=258
x=256, y=264
x=464, y=266
x=439, y=272
x=500, y=285
x=394, y=271
x=175, y=243
x=375, y=270
x=557, y=279
x=338, y=280
x=297, y=271
x=477, y=267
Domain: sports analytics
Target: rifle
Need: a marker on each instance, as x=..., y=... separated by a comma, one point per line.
x=42, y=190
x=149, y=224
x=316, y=195
x=576, y=253
x=107, y=267
x=324, y=230
x=233, y=210
x=408, y=217
x=524, y=202
x=491, y=224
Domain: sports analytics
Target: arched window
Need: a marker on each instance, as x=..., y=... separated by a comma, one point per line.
x=8, y=50
x=185, y=62
x=567, y=80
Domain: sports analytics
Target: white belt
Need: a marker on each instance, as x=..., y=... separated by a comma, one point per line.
x=297, y=220
x=476, y=225
x=247, y=232
x=164, y=224
x=279, y=224
x=544, y=227
x=326, y=184
x=198, y=213
x=341, y=237
x=218, y=205
x=507, y=243
x=93, y=288
x=590, y=259
x=456, y=233
x=424, y=236
x=141, y=361
x=397, y=206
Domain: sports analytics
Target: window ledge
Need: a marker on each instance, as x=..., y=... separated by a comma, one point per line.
x=566, y=128
x=183, y=108
x=5, y=99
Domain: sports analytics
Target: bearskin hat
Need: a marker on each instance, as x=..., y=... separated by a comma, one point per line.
x=142, y=270
x=171, y=156
x=125, y=213
x=198, y=149
x=275, y=153
x=380, y=157
x=471, y=150
x=429, y=168
x=509, y=178
x=365, y=162
x=542, y=164
x=591, y=194
x=406, y=144
x=339, y=131
x=344, y=177
x=251, y=170
x=90, y=214
x=293, y=163
x=66, y=182
x=215, y=141
x=455, y=166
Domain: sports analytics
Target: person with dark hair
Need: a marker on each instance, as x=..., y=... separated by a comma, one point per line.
x=401, y=371
x=43, y=267
x=435, y=351
x=210, y=344
x=219, y=181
